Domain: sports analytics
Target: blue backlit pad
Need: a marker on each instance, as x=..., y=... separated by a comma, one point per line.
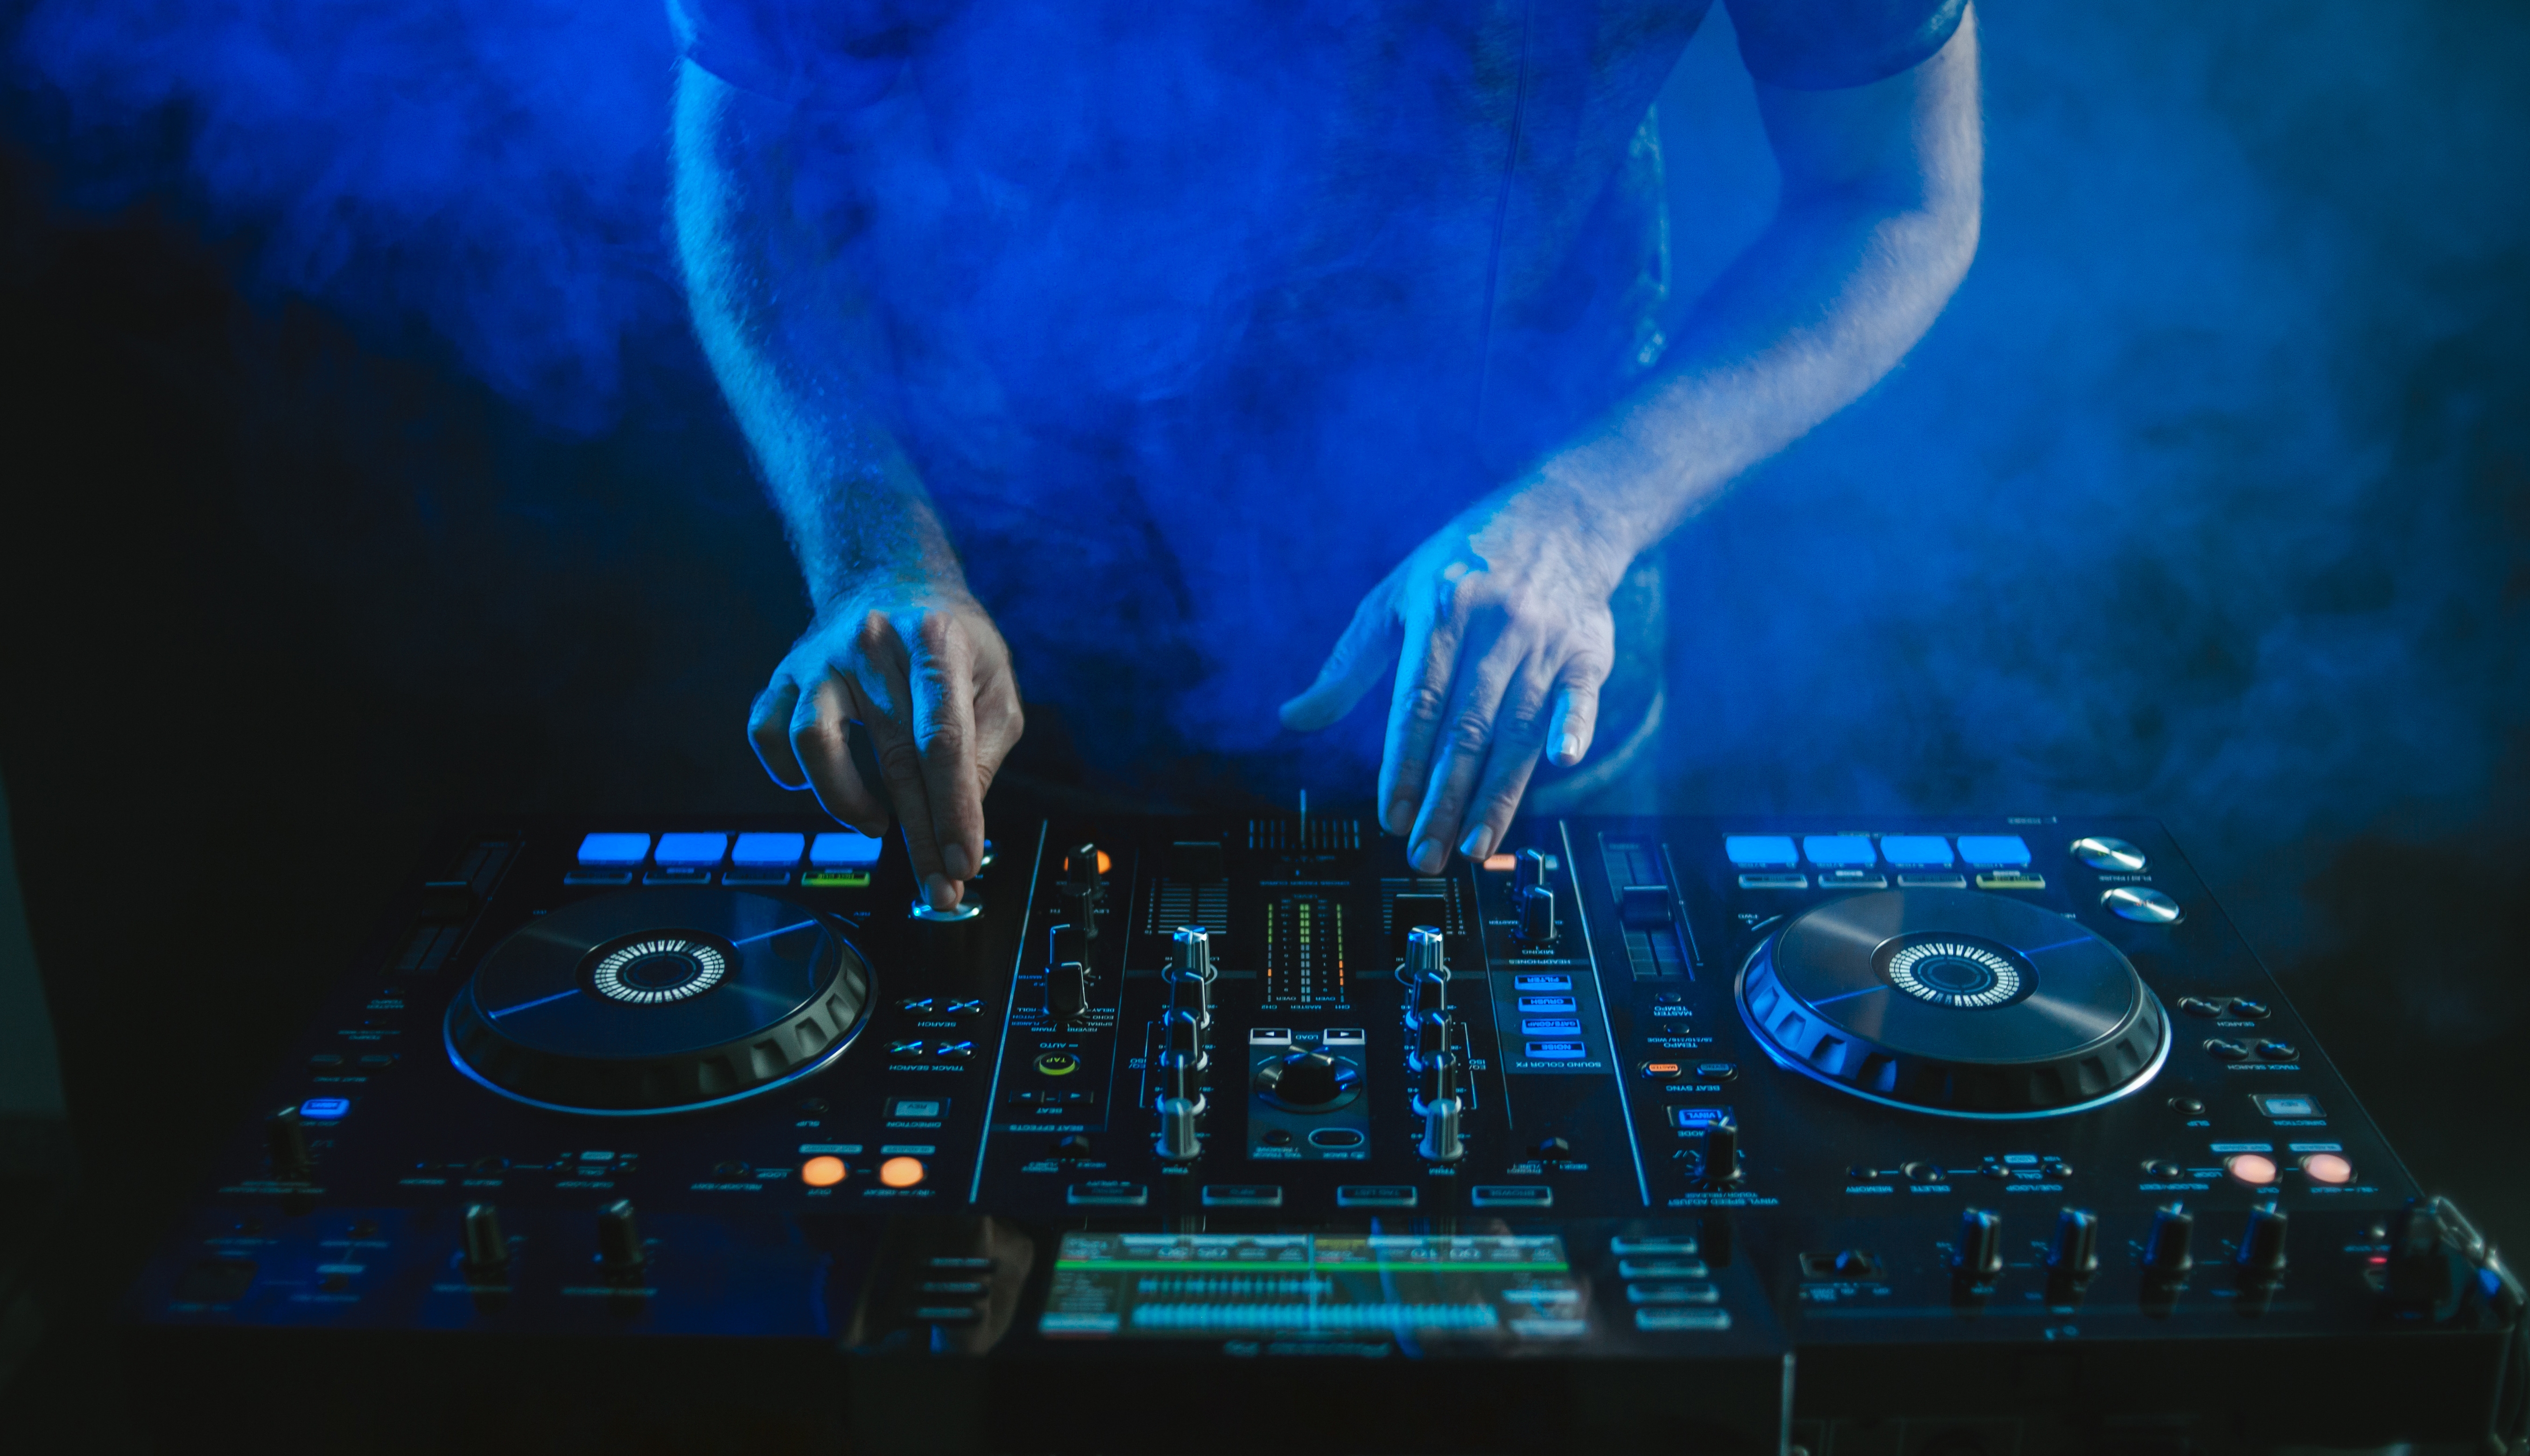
x=1840, y=849
x=692, y=849
x=325, y=1109
x=1761, y=850
x=845, y=848
x=1915, y=850
x=1993, y=850
x=769, y=850
x=613, y=850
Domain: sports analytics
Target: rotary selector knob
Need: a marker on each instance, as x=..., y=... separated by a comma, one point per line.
x=2142, y=904
x=285, y=1138
x=1191, y=974
x=2167, y=1251
x=618, y=1238
x=2073, y=1254
x=1066, y=990
x=1178, y=1140
x=2262, y=1244
x=1537, y=915
x=2109, y=856
x=1978, y=1253
x=1529, y=871
x=481, y=1239
x=1308, y=1081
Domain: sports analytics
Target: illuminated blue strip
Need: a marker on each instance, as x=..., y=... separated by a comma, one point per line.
x=769, y=934
x=538, y=1001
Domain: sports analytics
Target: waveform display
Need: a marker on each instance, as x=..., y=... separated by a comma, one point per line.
x=1295, y=1317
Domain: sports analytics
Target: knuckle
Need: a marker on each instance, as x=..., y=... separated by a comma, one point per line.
x=1471, y=732
x=901, y=760
x=1424, y=704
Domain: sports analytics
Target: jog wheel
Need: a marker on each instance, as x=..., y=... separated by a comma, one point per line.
x=659, y=1000
x=1954, y=1003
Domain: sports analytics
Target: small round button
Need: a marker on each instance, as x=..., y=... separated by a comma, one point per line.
x=2279, y=1051
x=2253, y=1168
x=2110, y=856
x=2163, y=1167
x=1921, y=1172
x=1662, y=1071
x=2188, y=1106
x=900, y=1172
x=2326, y=1168
x=1057, y=1064
x=822, y=1172
x=2223, y=1051
x=2197, y=1005
x=1717, y=1071
x=2141, y=902
x=2248, y=1010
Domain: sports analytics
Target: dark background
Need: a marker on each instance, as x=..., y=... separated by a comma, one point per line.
x=358, y=472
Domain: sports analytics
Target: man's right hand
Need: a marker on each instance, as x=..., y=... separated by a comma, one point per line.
x=927, y=676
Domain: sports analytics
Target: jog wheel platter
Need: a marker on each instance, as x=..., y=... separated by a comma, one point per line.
x=658, y=1001
x=1955, y=1002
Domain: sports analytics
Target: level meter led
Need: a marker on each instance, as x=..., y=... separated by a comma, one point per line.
x=900, y=1172
x=822, y=1172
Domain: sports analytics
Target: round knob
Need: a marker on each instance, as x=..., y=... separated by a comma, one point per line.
x=1978, y=1253
x=1178, y=1139
x=1440, y=1079
x=2111, y=856
x=1441, y=1141
x=2142, y=904
x=1069, y=942
x=1182, y=1041
x=618, y=1238
x=1311, y=1081
x=1080, y=871
x=2074, y=1251
x=480, y=1237
x=1190, y=952
x=1423, y=956
x=1722, y=1152
x=1431, y=1040
x=285, y=1139
x=2166, y=1251
x=2262, y=1244
x=1066, y=990
x=1537, y=915
x=1529, y=871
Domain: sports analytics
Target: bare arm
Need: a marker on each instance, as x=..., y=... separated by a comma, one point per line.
x=1506, y=633
x=897, y=643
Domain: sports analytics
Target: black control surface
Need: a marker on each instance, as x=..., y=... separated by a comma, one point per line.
x=1992, y=1128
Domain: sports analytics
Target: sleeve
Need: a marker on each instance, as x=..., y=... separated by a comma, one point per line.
x=818, y=53
x=1826, y=46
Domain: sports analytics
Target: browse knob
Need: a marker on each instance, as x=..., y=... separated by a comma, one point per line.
x=2073, y=1254
x=480, y=1235
x=618, y=1238
x=1978, y=1253
x=2165, y=1252
x=2262, y=1244
x=285, y=1139
x=1178, y=1139
x=1537, y=915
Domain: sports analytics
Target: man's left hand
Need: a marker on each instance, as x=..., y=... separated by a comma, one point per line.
x=1506, y=639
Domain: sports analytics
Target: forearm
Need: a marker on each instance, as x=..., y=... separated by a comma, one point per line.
x=1861, y=259
x=796, y=351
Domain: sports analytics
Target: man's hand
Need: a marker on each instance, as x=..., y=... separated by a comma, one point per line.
x=928, y=676
x=1507, y=639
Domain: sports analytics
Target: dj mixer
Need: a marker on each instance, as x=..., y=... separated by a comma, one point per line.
x=1877, y=1137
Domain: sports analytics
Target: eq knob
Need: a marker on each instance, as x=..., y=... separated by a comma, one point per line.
x=1069, y=942
x=2261, y=1254
x=1537, y=915
x=479, y=1236
x=1080, y=872
x=1977, y=1256
x=1191, y=974
x=1431, y=1041
x=1181, y=1041
x=1178, y=1138
x=618, y=1238
x=1442, y=1142
x=2165, y=1248
x=1427, y=974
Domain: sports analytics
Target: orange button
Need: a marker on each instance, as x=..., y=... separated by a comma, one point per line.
x=2327, y=1168
x=1501, y=864
x=822, y=1172
x=900, y=1172
x=2251, y=1168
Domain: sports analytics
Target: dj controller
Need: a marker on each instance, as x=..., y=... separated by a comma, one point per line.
x=1873, y=1138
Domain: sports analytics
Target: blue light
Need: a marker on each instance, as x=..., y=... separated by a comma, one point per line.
x=769, y=851
x=1993, y=850
x=1772, y=852
x=844, y=849
x=692, y=849
x=613, y=850
x=1840, y=849
x=325, y=1109
x=1917, y=851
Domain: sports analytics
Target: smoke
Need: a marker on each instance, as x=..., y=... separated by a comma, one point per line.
x=489, y=170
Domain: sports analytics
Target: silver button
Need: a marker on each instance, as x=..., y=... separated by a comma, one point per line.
x=2111, y=856
x=2141, y=902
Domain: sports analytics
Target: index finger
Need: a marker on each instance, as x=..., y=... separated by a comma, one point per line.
x=939, y=669
x=1423, y=671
